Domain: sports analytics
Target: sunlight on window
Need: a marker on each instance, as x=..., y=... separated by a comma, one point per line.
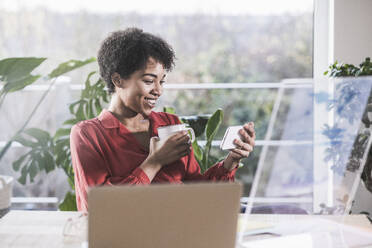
x=235, y=7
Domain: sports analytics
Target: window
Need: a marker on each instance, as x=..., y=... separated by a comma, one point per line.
x=250, y=48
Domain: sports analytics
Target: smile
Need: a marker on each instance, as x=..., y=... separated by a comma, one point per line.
x=151, y=101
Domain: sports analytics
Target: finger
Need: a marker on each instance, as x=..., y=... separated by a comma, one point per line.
x=243, y=146
x=154, y=139
x=235, y=156
x=242, y=153
x=245, y=137
x=182, y=145
x=184, y=139
x=180, y=135
x=249, y=127
x=185, y=152
x=153, y=142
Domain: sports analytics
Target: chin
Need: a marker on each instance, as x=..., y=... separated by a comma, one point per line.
x=146, y=112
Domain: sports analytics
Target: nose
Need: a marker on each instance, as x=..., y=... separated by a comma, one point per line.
x=158, y=89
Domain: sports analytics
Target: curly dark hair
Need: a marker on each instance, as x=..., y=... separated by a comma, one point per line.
x=127, y=51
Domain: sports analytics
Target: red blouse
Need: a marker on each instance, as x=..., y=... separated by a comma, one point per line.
x=105, y=152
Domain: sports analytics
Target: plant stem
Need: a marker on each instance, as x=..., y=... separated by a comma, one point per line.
x=2, y=98
x=9, y=143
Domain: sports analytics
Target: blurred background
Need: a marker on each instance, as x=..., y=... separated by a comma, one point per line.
x=262, y=49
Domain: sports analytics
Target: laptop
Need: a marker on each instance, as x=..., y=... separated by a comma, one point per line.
x=164, y=215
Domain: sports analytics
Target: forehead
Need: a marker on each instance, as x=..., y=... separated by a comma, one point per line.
x=154, y=65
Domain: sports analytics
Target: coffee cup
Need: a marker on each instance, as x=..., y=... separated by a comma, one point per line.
x=166, y=131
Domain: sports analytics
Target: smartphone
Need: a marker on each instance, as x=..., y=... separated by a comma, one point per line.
x=231, y=133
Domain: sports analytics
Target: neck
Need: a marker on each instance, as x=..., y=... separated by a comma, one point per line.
x=124, y=114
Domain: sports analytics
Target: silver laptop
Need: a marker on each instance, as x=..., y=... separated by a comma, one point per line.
x=164, y=215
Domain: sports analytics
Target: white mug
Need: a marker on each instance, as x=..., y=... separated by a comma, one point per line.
x=166, y=131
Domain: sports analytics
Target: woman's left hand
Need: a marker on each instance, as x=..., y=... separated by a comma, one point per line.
x=244, y=146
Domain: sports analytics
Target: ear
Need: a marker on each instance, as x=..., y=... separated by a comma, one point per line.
x=116, y=80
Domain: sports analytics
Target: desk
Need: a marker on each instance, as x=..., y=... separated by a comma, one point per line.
x=45, y=228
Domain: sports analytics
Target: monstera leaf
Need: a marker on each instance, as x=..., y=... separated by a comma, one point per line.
x=15, y=74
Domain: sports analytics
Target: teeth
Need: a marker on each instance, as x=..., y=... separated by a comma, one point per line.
x=150, y=100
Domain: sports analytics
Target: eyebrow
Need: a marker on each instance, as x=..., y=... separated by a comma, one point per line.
x=153, y=75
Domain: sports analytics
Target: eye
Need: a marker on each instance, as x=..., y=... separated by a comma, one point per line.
x=148, y=81
x=162, y=82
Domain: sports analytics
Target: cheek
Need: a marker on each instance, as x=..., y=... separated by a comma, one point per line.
x=135, y=96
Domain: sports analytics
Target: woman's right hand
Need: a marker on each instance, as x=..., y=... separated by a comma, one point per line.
x=175, y=147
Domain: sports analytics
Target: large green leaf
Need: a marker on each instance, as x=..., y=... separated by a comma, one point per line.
x=25, y=142
x=69, y=203
x=198, y=152
x=61, y=155
x=69, y=66
x=23, y=178
x=73, y=106
x=49, y=162
x=98, y=106
x=41, y=136
x=33, y=170
x=62, y=132
x=40, y=161
x=86, y=91
x=18, y=162
x=80, y=115
x=213, y=124
x=70, y=122
x=211, y=130
x=19, y=84
x=15, y=72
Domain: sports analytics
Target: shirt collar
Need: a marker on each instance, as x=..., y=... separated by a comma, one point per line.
x=108, y=120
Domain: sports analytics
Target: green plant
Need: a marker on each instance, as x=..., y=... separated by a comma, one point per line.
x=207, y=125
x=350, y=70
x=50, y=152
x=15, y=74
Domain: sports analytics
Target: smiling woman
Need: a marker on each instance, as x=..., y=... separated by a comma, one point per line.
x=120, y=146
x=140, y=91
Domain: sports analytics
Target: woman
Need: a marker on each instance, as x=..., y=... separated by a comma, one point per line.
x=119, y=146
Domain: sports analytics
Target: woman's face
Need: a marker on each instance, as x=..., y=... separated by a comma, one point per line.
x=140, y=92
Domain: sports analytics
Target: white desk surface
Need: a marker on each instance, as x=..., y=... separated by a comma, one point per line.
x=45, y=228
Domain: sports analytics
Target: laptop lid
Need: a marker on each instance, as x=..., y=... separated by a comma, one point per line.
x=161, y=216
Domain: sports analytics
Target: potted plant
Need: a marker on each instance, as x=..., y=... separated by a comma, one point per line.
x=6, y=183
x=16, y=74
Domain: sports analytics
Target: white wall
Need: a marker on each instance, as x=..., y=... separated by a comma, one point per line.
x=352, y=30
